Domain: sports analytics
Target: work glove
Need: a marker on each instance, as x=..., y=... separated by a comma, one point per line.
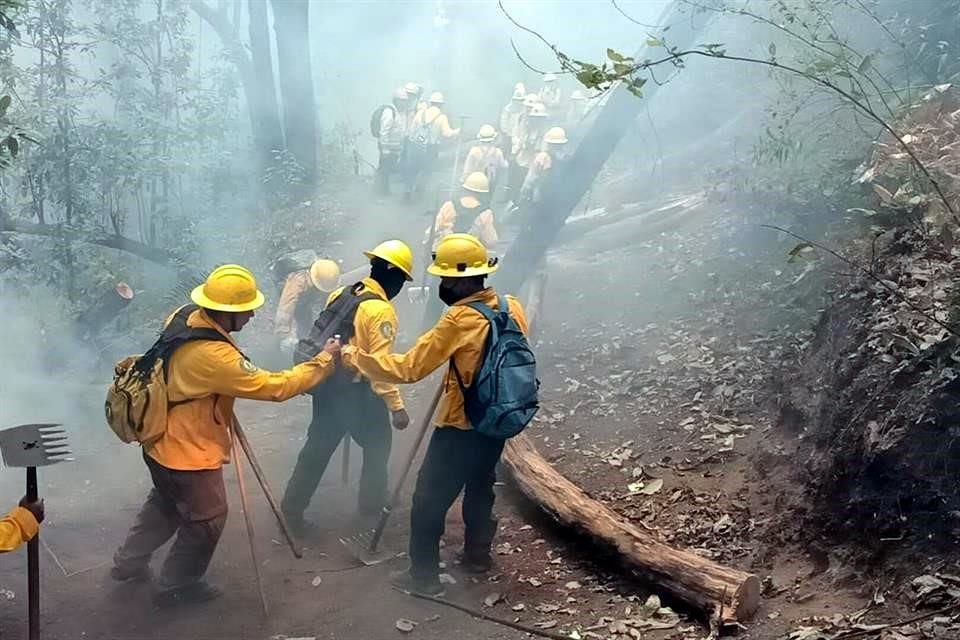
x=36, y=508
x=400, y=419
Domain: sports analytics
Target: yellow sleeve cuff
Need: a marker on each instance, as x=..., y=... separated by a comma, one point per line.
x=27, y=523
x=395, y=403
x=323, y=358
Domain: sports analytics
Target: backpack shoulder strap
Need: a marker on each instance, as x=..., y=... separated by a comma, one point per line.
x=178, y=333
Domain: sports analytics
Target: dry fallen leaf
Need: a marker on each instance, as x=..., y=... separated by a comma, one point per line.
x=652, y=487
x=492, y=599
x=404, y=625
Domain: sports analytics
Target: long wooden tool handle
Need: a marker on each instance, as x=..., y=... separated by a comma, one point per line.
x=248, y=518
x=401, y=480
x=345, y=467
x=262, y=480
x=33, y=565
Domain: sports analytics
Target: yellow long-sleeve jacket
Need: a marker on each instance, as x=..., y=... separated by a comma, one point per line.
x=18, y=527
x=374, y=330
x=211, y=375
x=460, y=334
x=483, y=225
x=435, y=122
x=285, y=322
x=486, y=159
x=540, y=166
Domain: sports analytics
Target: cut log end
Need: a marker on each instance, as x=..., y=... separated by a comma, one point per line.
x=746, y=601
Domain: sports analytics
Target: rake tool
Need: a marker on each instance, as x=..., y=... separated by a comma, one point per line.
x=364, y=546
x=248, y=519
x=32, y=446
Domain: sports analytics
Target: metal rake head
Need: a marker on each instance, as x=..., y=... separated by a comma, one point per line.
x=34, y=445
x=360, y=546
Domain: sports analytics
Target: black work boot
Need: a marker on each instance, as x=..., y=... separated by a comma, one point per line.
x=140, y=574
x=301, y=527
x=475, y=562
x=405, y=581
x=194, y=593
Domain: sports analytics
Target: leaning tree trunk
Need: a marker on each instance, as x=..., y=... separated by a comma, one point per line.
x=573, y=176
x=255, y=72
x=291, y=24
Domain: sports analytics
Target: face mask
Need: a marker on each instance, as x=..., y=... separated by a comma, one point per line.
x=448, y=295
x=394, y=283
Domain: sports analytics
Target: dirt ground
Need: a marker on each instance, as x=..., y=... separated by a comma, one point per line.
x=656, y=361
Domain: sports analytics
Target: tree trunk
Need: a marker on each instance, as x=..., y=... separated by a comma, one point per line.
x=248, y=79
x=262, y=96
x=573, y=176
x=290, y=22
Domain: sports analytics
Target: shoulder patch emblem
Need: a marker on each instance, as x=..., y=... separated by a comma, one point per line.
x=248, y=366
x=386, y=330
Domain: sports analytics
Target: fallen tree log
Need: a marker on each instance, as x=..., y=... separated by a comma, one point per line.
x=704, y=584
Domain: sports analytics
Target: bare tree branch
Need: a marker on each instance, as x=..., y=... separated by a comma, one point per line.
x=870, y=274
x=111, y=241
x=524, y=62
x=637, y=22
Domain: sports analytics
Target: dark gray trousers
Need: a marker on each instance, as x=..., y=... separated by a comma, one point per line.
x=190, y=504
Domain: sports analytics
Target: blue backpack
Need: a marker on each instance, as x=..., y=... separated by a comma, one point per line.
x=502, y=399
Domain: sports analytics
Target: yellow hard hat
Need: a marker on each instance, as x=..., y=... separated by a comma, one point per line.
x=477, y=182
x=436, y=98
x=325, y=274
x=396, y=253
x=487, y=133
x=461, y=255
x=555, y=135
x=229, y=288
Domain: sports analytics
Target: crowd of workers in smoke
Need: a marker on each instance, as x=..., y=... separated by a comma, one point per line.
x=513, y=162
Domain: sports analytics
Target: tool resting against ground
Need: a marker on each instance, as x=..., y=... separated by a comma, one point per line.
x=348, y=405
x=188, y=497
x=21, y=524
x=471, y=429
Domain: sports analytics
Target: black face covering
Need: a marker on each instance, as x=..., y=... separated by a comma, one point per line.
x=448, y=295
x=393, y=283
x=390, y=278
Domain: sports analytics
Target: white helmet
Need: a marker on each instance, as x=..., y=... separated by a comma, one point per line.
x=531, y=99
x=538, y=111
x=436, y=98
x=487, y=133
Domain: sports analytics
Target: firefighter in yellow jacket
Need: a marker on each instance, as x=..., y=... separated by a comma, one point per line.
x=20, y=525
x=188, y=499
x=295, y=311
x=348, y=404
x=458, y=458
